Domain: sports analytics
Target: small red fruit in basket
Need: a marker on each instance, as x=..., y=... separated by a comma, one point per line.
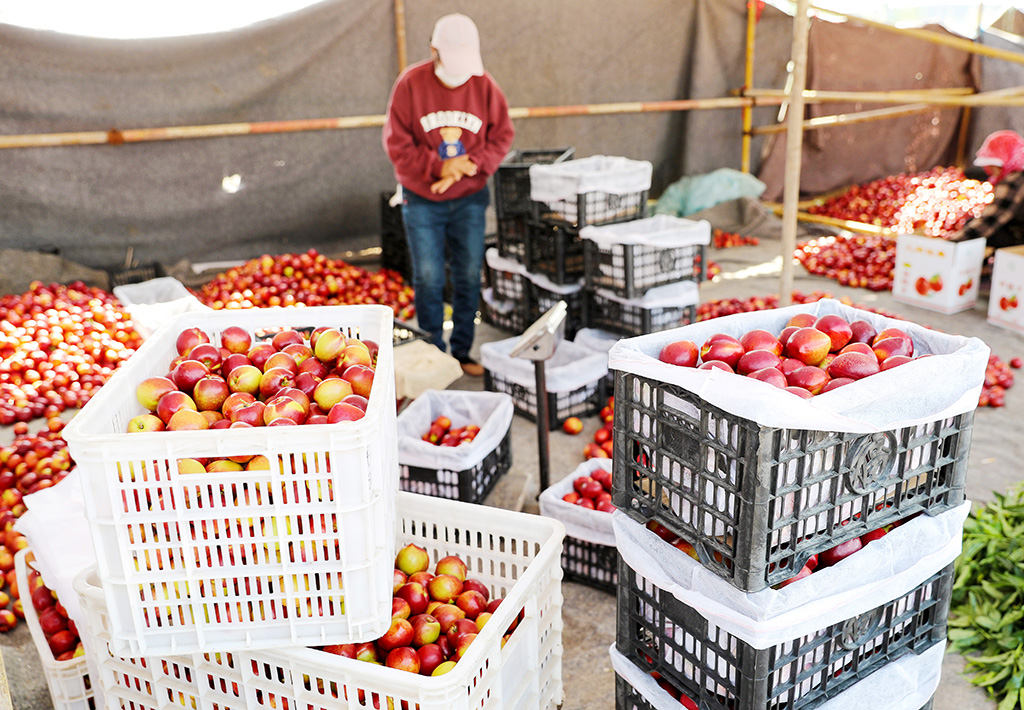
x=853, y=365
x=683, y=353
x=585, y=502
x=839, y=552
x=399, y=634
x=809, y=345
x=594, y=451
x=721, y=347
x=189, y=338
x=759, y=339
x=590, y=488
x=836, y=328
x=605, y=506
x=771, y=375
x=412, y=559
x=571, y=497
x=603, y=477
x=572, y=425
x=754, y=360
x=661, y=531
x=805, y=571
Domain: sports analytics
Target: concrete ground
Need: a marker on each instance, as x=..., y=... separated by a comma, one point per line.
x=588, y=614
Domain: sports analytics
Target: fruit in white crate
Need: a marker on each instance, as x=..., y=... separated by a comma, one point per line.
x=243, y=387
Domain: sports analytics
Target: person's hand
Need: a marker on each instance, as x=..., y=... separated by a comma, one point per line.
x=443, y=184
x=458, y=167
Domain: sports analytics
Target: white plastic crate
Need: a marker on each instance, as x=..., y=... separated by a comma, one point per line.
x=514, y=554
x=215, y=562
x=68, y=681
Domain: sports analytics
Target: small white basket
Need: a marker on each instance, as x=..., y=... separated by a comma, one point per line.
x=68, y=681
x=300, y=553
x=514, y=554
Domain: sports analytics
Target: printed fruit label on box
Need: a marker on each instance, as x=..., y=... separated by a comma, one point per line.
x=937, y=274
x=1007, y=289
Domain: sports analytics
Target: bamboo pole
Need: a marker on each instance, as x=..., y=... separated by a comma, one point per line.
x=960, y=43
x=1013, y=96
x=849, y=225
x=845, y=119
x=748, y=80
x=794, y=150
x=400, y=39
x=140, y=135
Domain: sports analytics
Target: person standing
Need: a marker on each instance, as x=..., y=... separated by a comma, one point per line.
x=446, y=131
x=1001, y=223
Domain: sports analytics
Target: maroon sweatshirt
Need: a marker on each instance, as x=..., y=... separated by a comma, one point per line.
x=427, y=122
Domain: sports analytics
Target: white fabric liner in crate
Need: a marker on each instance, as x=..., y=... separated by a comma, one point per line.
x=491, y=411
x=581, y=523
x=908, y=683
x=921, y=391
x=598, y=173
x=677, y=295
x=572, y=367
x=876, y=574
x=500, y=263
x=559, y=289
x=156, y=302
x=660, y=231
x=501, y=305
x=58, y=533
x=596, y=339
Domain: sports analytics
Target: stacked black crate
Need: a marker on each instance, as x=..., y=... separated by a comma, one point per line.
x=738, y=512
x=511, y=300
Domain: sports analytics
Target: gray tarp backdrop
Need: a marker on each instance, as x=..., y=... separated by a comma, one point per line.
x=165, y=200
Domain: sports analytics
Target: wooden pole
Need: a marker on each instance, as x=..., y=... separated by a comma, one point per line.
x=794, y=150
x=140, y=135
x=845, y=119
x=934, y=37
x=400, y=39
x=849, y=225
x=748, y=81
x=1013, y=96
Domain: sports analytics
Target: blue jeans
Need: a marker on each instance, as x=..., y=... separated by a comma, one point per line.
x=452, y=230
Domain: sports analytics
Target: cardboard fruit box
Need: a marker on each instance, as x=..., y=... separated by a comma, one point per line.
x=937, y=274
x=1007, y=289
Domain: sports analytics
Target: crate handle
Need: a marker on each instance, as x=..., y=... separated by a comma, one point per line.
x=859, y=629
x=869, y=461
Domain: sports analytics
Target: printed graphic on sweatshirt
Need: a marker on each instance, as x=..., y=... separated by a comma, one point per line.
x=457, y=119
x=450, y=146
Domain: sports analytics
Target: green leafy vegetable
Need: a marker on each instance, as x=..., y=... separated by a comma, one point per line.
x=986, y=622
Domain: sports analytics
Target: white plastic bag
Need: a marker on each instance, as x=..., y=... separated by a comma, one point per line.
x=581, y=523
x=923, y=390
x=58, y=533
x=572, y=366
x=907, y=683
x=661, y=231
x=599, y=173
x=500, y=263
x=596, y=339
x=153, y=303
x=875, y=575
x=679, y=294
x=491, y=411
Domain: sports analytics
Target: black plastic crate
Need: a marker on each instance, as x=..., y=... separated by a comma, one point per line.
x=135, y=274
x=554, y=250
x=542, y=299
x=630, y=270
x=403, y=333
x=590, y=563
x=581, y=402
x=512, y=179
x=756, y=502
x=659, y=633
x=506, y=285
x=512, y=238
x=394, y=249
x=629, y=698
x=592, y=208
x=510, y=316
x=471, y=485
x=630, y=319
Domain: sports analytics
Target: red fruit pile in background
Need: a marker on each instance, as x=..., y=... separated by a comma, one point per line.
x=935, y=203
x=859, y=261
x=434, y=617
x=58, y=629
x=309, y=279
x=29, y=463
x=441, y=433
x=721, y=239
x=998, y=378
x=593, y=491
x=601, y=446
x=57, y=345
